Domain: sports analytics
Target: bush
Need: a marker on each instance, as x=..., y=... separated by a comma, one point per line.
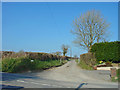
x=44, y=56
x=14, y=65
x=31, y=55
x=88, y=59
x=107, y=51
x=83, y=65
x=21, y=61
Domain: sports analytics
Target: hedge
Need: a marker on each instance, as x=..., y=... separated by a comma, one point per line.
x=32, y=55
x=88, y=58
x=16, y=64
x=13, y=65
x=107, y=51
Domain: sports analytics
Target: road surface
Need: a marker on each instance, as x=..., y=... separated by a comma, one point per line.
x=67, y=76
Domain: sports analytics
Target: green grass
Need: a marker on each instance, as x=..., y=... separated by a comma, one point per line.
x=47, y=64
x=83, y=65
x=114, y=80
x=13, y=65
x=76, y=60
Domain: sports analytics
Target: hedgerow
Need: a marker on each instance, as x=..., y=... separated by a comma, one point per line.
x=23, y=64
x=107, y=51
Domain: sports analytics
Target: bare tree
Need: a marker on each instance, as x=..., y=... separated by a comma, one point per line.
x=65, y=49
x=90, y=27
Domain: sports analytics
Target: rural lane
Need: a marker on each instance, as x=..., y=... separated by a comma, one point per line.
x=67, y=76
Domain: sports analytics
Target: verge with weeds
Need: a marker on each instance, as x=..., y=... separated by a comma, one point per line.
x=83, y=65
x=14, y=65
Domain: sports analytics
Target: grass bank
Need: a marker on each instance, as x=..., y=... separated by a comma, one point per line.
x=83, y=65
x=14, y=65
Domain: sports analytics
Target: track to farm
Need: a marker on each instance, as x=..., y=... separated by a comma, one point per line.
x=66, y=76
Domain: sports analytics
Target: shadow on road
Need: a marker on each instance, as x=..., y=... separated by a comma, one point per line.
x=4, y=87
x=11, y=76
x=81, y=86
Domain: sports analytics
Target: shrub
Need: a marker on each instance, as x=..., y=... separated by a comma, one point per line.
x=16, y=64
x=13, y=65
x=107, y=51
x=83, y=65
x=32, y=55
x=43, y=56
x=88, y=59
x=21, y=61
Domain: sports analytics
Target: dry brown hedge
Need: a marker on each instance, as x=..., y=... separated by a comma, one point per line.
x=32, y=55
x=88, y=58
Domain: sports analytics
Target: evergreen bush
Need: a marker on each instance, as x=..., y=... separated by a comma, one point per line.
x=107, y=51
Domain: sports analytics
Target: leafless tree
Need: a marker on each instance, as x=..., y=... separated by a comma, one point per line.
x=65, y=49
x=90, y=28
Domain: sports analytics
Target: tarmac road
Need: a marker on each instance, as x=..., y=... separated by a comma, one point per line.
x=66, y=76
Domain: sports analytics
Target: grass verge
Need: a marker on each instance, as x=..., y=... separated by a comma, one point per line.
x=14, y=65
